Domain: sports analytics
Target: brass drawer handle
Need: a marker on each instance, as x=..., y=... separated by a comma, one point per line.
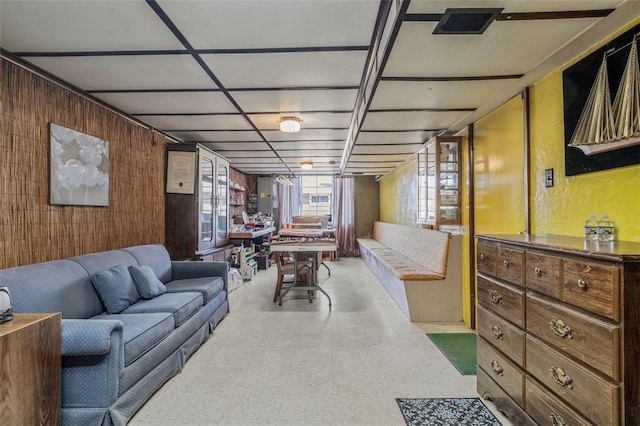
x=495, y=296
x=582, y=283
x=537, y=270
x=556, y=420
x=497, y=333
x=482, y=256
x=561, y=378
x=495, y=366
x=560, y=329
x=506, y=263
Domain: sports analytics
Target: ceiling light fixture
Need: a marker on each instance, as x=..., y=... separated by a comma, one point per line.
x=290, y=124
x=306, y=165
x=283, y=180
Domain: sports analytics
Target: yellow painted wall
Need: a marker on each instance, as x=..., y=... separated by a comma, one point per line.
x=398, y=194
x=499, y=170
x=564, y=208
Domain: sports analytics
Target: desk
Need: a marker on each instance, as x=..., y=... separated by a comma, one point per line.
x=307, y=247
x=249, y=235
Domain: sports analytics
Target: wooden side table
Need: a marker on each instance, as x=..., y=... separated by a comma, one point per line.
x=30, y=362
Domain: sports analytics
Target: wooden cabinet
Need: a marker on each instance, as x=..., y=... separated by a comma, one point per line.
x=559, y=329
x=30, y=362
x=197, y=217
x=439, y=181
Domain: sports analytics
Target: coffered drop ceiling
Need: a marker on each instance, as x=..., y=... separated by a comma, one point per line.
x=369, y=79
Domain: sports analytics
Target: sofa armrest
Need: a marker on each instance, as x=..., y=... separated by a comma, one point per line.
x=82, y=337
x=182, y=270
x=92, y=362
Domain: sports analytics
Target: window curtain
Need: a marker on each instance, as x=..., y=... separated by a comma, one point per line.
x=344, y=215
x=289, y=196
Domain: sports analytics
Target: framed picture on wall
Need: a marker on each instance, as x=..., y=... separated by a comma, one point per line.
x=181, y=171
x=601, y=107
x=79, y=168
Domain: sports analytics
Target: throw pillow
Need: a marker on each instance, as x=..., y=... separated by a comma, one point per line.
x=148, y=285
x=115, y=288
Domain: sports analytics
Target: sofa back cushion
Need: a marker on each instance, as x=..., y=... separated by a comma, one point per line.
x=59, y=286
x=96, y=262
x=116, y=288
x=148, y=285
x=155, y=256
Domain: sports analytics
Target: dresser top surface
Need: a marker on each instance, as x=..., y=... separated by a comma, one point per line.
x=616, y=250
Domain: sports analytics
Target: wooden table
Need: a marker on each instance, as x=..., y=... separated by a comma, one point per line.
x=30, y=362
x=298, y=246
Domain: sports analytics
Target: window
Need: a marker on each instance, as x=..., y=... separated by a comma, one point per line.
x=316, y=195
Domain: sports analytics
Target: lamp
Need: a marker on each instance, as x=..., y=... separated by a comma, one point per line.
x=283, y=180
x=306, y=164
x=290, y=124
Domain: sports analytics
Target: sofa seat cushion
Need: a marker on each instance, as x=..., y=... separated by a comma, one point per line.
x=210, y=287
x=181, y=305
x=370, y=243
x=403, y=267
x=141, y=332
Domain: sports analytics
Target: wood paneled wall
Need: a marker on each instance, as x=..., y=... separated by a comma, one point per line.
x=32, y=230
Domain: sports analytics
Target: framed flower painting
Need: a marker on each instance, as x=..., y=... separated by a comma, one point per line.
x=79, y=166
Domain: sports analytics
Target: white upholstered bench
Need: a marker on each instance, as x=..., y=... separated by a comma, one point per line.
x=411, y=264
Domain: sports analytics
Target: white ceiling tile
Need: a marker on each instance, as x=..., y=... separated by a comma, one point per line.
x=72, y=26
x=505, y=48
x=386, y=149
x=218, y=136
x=250, y=155
x=288, y=69
x=197, y=122
x=334, y=153
x=128, y=72
x=410, y=120
x=377, y=158
x=308, y=145
x=306, y=135
x=275, y=23
x=394, y=137
x=296, y=100
x=169, y=102
x=439, y=6
x=372, y=165
x=435, y=94
x=239, y=146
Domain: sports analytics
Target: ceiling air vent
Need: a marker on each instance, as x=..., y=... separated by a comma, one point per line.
x=466, y=21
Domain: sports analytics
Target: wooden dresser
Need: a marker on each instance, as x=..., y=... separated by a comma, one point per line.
x=30, y=361
x=559, y=329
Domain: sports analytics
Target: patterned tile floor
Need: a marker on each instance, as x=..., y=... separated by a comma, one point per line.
x=300, y=364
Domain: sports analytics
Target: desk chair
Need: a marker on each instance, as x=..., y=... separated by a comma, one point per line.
x=286, y=273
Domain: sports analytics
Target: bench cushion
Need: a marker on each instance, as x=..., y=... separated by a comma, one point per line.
x=403, y=267
x=370, y=243
x=210, y=287
x=141, y=332
x=181, y=305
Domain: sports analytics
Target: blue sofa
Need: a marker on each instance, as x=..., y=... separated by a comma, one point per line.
x=113, y=363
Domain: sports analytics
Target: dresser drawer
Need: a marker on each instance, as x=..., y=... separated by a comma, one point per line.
x=589, y=339
x=592, y=286
x=505, y=373
x=543, y=273
x=486, y=261
x=546, y=409
x=505, y=300
x=510, y=265
x=593, y=397
x=490, y=391
x=502, y=334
